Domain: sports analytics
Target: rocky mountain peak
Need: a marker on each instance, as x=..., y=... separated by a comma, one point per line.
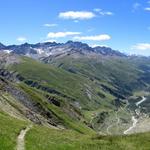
x=108, y=51
x=2, y=46
x=50, y=48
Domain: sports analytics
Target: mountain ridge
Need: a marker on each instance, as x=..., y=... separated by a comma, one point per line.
x=51, y=48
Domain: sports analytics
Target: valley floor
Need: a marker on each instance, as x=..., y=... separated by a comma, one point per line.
x=131, y=118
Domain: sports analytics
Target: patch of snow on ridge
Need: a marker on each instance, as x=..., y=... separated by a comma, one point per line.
x=39, y=51
x=7, y=51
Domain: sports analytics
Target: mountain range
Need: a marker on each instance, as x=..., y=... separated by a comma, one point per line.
x=53, y=48
x=75, y=89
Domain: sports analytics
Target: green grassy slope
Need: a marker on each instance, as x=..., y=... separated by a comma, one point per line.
x=42, y=138
x=95, y=85
x=45, y=139
x=9, y=130
x=121, y=72
x=118, y=76
x=61, y=115
x=101, y=67
x=74, y=86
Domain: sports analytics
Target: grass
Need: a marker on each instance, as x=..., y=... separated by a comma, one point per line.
x=140, y=93
x=41, y=138
x=9, y=130
x=55, y=78
x=105, y=69
x=63, y=117
x=72, y=85
x=116, y=74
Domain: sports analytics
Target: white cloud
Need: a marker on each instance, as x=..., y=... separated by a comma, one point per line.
x=50, y=25
x=101, y=37
x=76, y=21
x=96, y=45
x=77, y=15
x=141, y=46
x=147, y=8
x=97, y=9
x=21, y=39
x=136, y=6
x=51, y=40
x=141, y=49
x=102, y=12
x=106, y=13
x=61, y=34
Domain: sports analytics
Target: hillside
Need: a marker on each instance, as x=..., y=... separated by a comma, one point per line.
x=42, y=138
x=74, y=90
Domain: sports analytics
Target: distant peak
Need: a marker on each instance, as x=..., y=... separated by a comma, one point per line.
x=108, y=51
x=25, y=44
x=2, y=46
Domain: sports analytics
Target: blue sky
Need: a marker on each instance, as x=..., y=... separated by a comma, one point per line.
x=121, y=24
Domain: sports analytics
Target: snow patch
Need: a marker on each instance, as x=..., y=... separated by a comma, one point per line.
x=39, y=51
x=7, y=51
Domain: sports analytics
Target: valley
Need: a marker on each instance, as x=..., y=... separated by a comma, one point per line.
x=97, y=96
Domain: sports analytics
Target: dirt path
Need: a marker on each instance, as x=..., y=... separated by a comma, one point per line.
x=21, y=136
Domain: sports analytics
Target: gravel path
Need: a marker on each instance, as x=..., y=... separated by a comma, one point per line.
x=21, y=137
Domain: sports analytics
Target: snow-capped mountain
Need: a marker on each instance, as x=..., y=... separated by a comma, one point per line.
x=47, y=49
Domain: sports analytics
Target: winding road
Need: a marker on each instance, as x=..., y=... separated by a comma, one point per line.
x=134, y=119
x=141, y=101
